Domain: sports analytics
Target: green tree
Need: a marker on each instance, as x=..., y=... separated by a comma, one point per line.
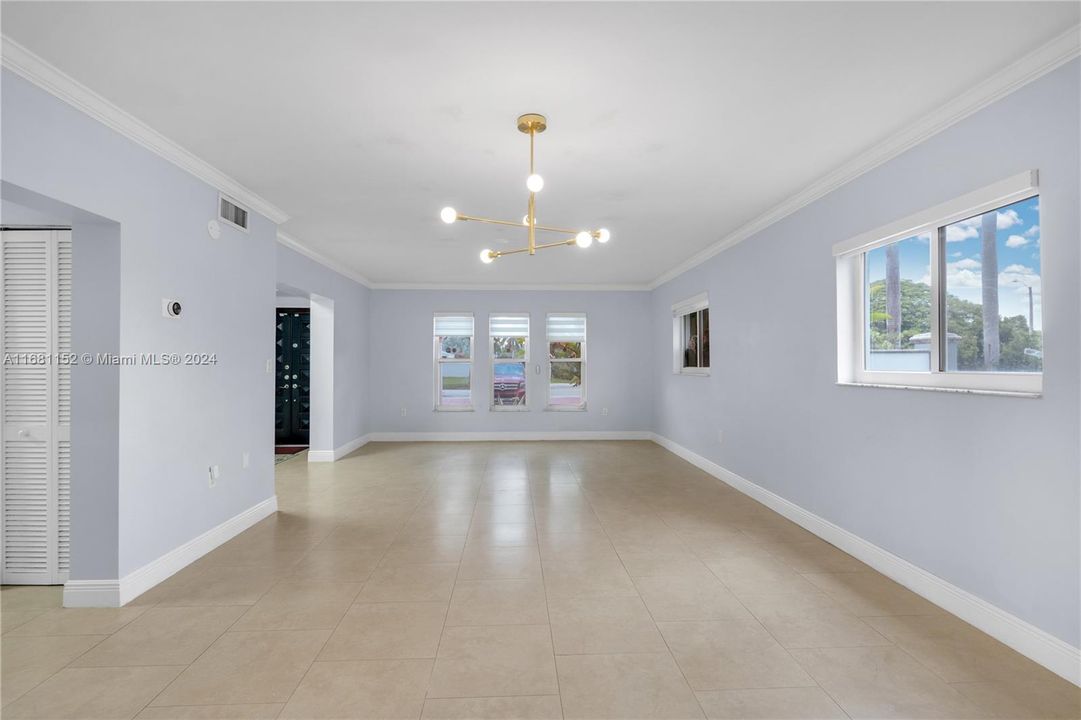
x=915, y=315
x=963, y=318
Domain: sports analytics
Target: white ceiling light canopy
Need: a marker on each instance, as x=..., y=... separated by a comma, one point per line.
x=532, y=124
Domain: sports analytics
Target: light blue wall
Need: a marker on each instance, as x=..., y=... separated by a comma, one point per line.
x=174, y=421
x=617, y=369
x=351, y=322
x=981, y=491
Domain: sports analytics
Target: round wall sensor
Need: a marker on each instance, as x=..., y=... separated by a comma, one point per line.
x=214, y=228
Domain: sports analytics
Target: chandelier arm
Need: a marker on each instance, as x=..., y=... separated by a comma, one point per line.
x=558, y=243
x=545, y=228
x=532, y=218
x=488, y=220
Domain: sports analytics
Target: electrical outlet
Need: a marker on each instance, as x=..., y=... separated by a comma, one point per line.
x=604, y=412
x=720, y=436
x=214, y=472
x=403, y=412
x=245, y=460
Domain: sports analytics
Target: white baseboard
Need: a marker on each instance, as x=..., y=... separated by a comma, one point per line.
x=1054, y=654
x=510, y=436
x=338, y=452
x=91, y=593
x=114, y=593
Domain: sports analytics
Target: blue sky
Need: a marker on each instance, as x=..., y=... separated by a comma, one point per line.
x=1018, y=241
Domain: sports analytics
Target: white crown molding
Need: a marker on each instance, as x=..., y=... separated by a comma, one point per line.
x=562, y=287
x=293, y=244
x=1038, y=645
x=1039, y=62
x=1035, y=64
x=35, y=69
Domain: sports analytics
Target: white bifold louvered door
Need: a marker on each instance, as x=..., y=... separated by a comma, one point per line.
x=35, y=402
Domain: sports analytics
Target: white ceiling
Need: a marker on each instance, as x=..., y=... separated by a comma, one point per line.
x=672, y=124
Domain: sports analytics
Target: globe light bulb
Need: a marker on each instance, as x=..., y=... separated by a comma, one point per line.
x=583, y=239
x=486, y=256
x=535, y=183
x=603, y=235
x=448, y=215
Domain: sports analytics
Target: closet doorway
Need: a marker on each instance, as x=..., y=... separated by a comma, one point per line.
x=35, y=405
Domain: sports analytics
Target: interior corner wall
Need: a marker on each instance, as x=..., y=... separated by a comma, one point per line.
x=981, y=491
x=402, y=373
x=351, y=302
x=175, y=420
x=95, y=403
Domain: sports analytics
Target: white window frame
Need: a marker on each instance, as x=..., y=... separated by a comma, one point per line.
x=438, y=361
x=493, y=360
x=581, y=407
x=851, y=255
x=679, y=311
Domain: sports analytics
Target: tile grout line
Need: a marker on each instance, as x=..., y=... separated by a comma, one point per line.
x=315, y=658
x=544, y=585
x=762, y=625
x=656, y=627
x=453, y=587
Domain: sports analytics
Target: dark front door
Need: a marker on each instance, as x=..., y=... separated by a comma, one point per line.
x=292, y=401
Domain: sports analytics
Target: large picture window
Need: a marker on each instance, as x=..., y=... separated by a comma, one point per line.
x=950, y=298
x=509, y=337
x=453, y=347
x=690, y=336
x=566, y=361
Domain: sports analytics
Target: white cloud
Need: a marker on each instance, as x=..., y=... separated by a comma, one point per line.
x=956, y=254
x=1021, y=277
x=963, y=279
x=970, y=228
x=1016, y=241
x=966, y=264
x=1008, y=219
x=961, y=231
x=1032, y=231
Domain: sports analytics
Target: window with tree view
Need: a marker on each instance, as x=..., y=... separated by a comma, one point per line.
x=453, y=338
x=897, y=293
x=993, y=293
x=566, y=361
x=954, y=301
x=509, y=336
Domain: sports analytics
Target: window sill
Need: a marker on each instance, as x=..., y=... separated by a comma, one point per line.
x=560, y=408
x=508, y=408
x=453, y=409
x=700, y=372
x=961, y=391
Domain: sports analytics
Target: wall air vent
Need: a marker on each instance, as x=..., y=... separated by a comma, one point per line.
x=232, y=213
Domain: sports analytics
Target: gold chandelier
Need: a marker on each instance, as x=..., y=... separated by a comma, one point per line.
x=530, y=123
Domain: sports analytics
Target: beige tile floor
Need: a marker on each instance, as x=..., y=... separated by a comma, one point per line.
x=515, y=580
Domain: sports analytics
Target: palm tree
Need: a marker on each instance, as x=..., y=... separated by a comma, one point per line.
x=989, y=272
x=893, y=295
